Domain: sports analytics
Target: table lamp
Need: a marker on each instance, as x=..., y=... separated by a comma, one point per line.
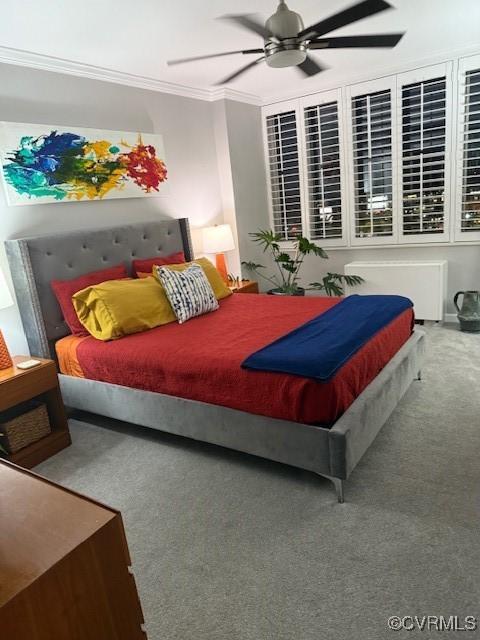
x=216, y=240
x=5, y=301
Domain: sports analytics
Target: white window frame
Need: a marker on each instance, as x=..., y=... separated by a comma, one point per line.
x=469, y=63
x=278, y=109
x=454, y=72
x=318, y=99
x=363, y=88
x=410, y=77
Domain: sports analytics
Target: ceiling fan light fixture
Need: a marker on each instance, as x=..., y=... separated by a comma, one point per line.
x=286, y=58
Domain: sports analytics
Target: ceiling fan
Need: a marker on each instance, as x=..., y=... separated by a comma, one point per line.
x=287, y=42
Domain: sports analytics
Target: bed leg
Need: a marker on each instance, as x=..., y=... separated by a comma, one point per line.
x=419, y=375
x=338, y=484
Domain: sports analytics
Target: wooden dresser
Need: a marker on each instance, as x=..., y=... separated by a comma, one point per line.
x=64, y=565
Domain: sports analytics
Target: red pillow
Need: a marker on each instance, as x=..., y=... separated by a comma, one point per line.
x=145, y=266
x=65, y=289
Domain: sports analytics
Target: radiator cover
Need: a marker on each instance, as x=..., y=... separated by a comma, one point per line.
x=423, y=281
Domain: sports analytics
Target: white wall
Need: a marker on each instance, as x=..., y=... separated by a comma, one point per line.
x=28, y=95
x=248, y=177
x=226, y=183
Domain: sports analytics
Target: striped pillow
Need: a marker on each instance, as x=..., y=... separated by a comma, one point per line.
x=188, y=291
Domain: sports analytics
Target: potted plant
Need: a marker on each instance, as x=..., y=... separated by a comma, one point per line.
x=286, y=281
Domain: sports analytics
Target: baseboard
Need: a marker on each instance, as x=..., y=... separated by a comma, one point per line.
x=450, y=317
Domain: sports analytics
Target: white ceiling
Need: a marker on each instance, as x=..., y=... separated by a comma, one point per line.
x=138, y=36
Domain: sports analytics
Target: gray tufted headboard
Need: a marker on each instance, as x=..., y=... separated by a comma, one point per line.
x=36, y=261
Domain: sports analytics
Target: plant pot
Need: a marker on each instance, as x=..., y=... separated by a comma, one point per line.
x=278, y=292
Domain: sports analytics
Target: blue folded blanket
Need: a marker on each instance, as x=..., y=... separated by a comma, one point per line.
x=318, y=348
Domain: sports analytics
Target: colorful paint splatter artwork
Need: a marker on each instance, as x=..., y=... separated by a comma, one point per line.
x=55, y=164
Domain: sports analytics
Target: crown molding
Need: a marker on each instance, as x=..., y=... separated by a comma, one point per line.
x=232, y=94
x=42, y=62
x=32, y=60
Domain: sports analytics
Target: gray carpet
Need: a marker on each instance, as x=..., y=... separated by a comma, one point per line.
x=228, y=546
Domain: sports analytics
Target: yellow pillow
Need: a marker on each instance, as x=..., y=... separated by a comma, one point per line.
x=219, y=287
x=117, y=308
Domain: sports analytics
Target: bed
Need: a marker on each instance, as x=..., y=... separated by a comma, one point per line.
x=321, y=427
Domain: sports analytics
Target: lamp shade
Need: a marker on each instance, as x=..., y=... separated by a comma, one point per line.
x=5, y=296
x=217, y=239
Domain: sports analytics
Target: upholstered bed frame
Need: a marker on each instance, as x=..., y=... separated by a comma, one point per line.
x=332, y=453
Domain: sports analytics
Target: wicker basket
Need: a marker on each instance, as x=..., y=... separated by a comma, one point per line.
x=21, y=427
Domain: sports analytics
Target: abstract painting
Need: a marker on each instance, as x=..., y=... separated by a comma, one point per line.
x=41, y=164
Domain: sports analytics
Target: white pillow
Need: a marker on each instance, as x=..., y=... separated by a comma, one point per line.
x=188, y=291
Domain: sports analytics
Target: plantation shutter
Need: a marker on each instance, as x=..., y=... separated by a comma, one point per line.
x=323, y=171
x=424, y=130
x=469, y=160
x=284, y=173
x=372, y=166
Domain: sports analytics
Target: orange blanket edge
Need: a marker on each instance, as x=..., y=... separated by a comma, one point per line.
x=66, y=349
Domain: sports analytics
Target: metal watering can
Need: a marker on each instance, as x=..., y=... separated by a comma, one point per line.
x=469, y=313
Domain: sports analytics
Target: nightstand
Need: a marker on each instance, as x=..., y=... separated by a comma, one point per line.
x=40, y=383
x=245, y=286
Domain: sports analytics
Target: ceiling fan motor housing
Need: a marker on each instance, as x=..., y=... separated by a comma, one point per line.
x=285, y=26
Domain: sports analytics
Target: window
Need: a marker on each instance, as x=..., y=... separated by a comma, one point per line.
x=424, y=126
x=323, y=171
x=469, y=158
x=284, y=172
x=372, y=165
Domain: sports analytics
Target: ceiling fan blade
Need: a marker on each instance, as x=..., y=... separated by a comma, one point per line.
x=249, y=21
x=212, y=55
x=348, y=42
x=310, y=67
x=358, y=11
x=240, y=71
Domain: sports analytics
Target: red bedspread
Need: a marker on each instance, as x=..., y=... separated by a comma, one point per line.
x=201, y=359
